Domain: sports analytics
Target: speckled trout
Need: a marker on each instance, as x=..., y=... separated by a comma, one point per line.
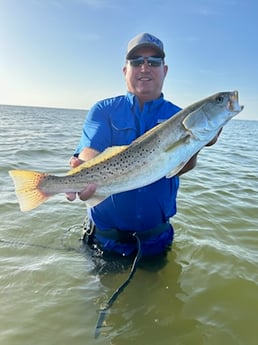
x=161, y=151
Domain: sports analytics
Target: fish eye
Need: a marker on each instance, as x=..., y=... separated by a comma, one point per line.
x=220, y=99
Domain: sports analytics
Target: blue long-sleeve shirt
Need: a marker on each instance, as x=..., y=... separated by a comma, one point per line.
x=118, y=121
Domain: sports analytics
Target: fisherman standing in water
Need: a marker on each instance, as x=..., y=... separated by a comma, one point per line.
x=144, y=212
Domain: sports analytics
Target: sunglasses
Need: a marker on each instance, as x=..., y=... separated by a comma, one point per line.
x=152, y=61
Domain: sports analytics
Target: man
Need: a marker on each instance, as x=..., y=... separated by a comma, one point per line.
x=146, y=211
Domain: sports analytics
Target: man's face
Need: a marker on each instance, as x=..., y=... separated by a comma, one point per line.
x=145, y=81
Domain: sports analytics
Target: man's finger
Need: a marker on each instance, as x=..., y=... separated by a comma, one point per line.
x=71, y=196
x=87, y=192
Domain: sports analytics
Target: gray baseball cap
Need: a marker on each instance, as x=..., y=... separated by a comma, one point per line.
x=145, y=40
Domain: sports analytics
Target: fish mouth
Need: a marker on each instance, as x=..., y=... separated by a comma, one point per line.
x=233, y=104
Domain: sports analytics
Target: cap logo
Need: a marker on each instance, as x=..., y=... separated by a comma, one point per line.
x=154, y=40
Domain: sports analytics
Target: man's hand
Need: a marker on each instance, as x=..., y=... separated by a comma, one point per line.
x=214, y=140
x=87, y=192
x=192, y=162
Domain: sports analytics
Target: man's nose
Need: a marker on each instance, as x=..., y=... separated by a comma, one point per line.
x=145, y=66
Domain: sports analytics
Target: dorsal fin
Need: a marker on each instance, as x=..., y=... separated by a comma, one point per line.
x=106, y=154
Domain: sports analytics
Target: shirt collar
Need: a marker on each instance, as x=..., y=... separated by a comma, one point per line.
x=154, y=103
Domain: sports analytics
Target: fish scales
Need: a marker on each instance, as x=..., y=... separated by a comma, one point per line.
x=133, y=161
x=162, y=151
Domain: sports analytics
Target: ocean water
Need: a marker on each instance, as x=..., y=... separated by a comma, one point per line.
x=207, y=291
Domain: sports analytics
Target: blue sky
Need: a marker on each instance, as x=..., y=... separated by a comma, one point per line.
x=70, y=53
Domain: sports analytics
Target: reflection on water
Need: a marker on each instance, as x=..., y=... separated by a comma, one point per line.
x=206, y=292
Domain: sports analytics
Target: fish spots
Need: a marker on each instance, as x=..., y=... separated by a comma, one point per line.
x=131, y=159
x=145, y=152
x=108, y=170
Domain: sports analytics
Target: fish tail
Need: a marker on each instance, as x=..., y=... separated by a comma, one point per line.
x=27, y=188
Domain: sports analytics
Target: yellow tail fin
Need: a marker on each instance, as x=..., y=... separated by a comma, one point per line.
x=27, y=188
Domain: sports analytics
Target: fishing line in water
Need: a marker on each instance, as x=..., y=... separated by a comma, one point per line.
x=68, y=236
x=20, y=243
x=119, y=290
x=78, y=249
x=64, y=246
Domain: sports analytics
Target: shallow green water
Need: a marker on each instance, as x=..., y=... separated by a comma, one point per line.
x=207, y=291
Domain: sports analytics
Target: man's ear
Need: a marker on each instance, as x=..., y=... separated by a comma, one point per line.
x=165, y=69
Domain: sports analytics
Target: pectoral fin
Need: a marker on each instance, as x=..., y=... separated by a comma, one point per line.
x=179, y=142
